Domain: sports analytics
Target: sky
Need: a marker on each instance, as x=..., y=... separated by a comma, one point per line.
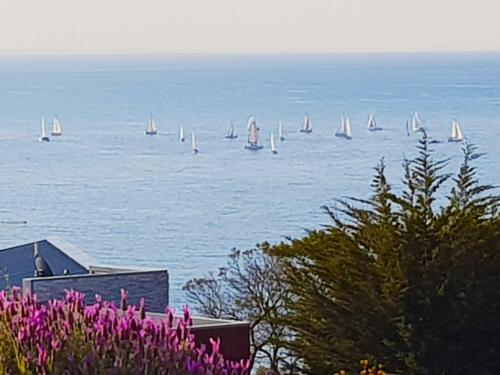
x=247, y=26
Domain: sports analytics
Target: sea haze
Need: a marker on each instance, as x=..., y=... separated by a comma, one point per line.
x=131, y=200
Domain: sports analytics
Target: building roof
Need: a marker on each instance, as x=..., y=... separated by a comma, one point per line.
x=17, y=262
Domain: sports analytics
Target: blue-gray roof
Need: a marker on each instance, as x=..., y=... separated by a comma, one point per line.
x=17, y=262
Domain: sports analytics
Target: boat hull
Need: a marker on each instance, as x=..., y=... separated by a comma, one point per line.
x=151, y=133
x=455, y=140
x=44, y=139
x=342, y=135
x=231, y=136
x=305, y=131
x=374, y=129
x=55, y=134
x=252, y=147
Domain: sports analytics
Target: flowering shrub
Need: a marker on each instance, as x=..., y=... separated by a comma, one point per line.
x=366, y=369
x=68, y=337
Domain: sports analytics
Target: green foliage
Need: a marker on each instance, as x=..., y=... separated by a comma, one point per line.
x=397, y=276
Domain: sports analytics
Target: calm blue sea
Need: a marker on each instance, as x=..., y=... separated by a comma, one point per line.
x=132, y=200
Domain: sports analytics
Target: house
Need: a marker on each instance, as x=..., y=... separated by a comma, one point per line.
x=65, y=267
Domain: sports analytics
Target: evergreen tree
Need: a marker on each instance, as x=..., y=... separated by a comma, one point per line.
x=398, y=277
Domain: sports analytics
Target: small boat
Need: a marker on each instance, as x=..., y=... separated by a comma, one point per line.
x=193, y=143
x=273, y=145
x=43, y=136
x=372, y=124
x=407, y=129
x=416, y=123
x=345, y=130
x=56, y=127
x=231, y=134
x=151, y=128
x=181, y=134
x=306, y=126
x=456, y=133
x=280, y=132
x=253, y=137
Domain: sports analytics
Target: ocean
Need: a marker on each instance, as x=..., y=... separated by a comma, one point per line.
x=133, y=200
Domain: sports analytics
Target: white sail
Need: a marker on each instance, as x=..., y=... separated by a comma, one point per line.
x=273, y=145
x=307, y=125
x=348, y=130
x=193, y=143
x=415, y=122
x=181, y=134
x=231, y=130
x=43, y=134
x=456, y=132
x=280, y=132
x=251, y=120
x=42, y=131
x=151, y=129
x=253, y=133
x=56, y=127
x=342, y=126
x=372, y=124
x=460, y=136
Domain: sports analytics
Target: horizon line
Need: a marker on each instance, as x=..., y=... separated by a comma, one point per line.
x=13, y=53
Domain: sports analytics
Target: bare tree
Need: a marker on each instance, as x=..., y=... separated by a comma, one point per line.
x=249, y=288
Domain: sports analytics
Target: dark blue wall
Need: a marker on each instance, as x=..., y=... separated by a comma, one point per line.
x=18, y=263
x=150, y=285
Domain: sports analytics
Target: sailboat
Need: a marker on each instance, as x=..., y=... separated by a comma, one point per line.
x=43, y=136
x=372, y=124
x=306, y=126
x=193, y=143
x=56, y=127
x=151, y=128
x=231, y=134
x=456, y=133
x=181, y=134
x=280, y=132
x=253, y=137
x=273, y=145
x=345, y=130
x=415, y=123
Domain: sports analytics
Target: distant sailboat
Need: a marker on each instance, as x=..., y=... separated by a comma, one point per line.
x=407, y=129
x=253, y=137
x=372, y=124
x=273, y=145
x=43, y=135
x=151, y=129
x=306, y=126
x=231, y=134
x=280, y=132
x=416, y=123
x=56, y=127
x=193, y=143
x=456, y=133
x=181, y=134
x=345, y=130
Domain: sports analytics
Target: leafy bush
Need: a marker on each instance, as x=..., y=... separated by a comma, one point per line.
x=68, y=337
